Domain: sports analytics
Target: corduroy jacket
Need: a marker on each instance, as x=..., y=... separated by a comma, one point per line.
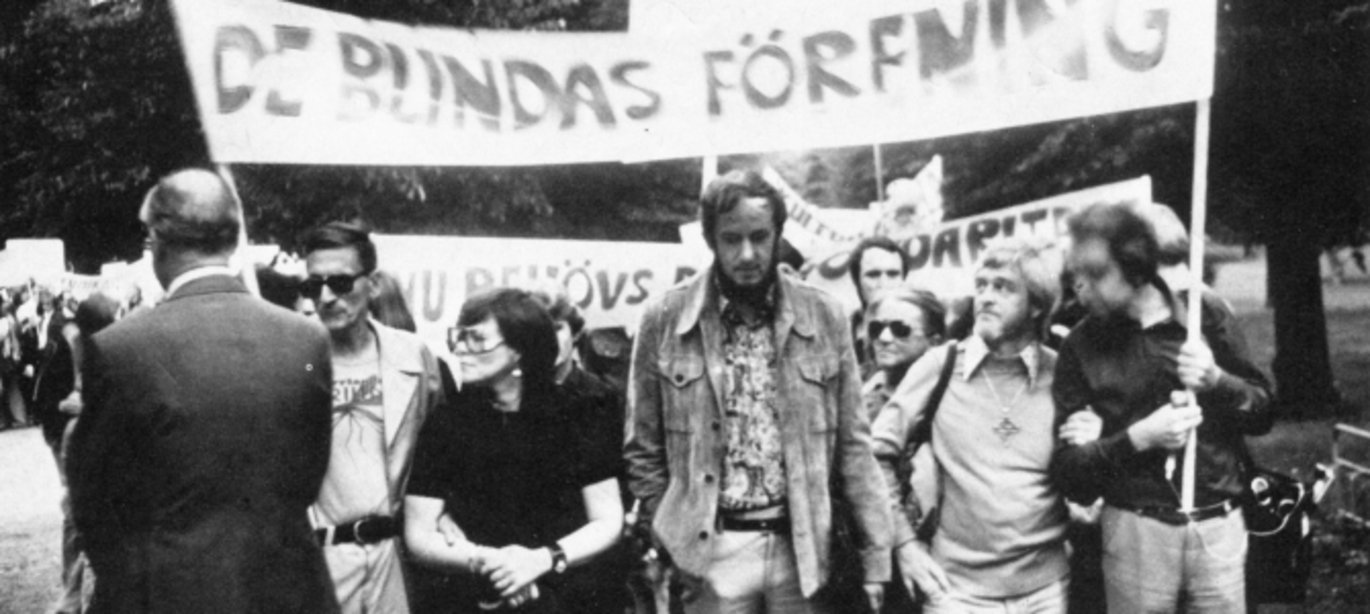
x=675, y=442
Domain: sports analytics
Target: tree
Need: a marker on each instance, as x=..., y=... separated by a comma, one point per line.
x=1290, y=136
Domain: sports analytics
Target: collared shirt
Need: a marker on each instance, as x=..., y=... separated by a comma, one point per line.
x=754, y=464
x=1124, y=372
x=1001, y=528
x=194, y=274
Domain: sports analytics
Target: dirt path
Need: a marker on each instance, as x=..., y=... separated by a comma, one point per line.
x=30, y=523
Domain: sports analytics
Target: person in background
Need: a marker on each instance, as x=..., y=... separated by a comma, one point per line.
x=877, y=264
x=385, y=385
x=204, y=431
x=1129, y=361
x=78, y=581
x=389, y=307
x=528, y=477
x=12, y=410
x=745, y=410
x=55, y=373
x=902, y=324
x=278, y=288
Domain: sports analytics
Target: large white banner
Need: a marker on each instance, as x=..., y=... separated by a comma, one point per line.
x=611, y=282
x=282, y=83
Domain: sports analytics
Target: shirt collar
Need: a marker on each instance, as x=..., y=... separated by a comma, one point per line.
x=975, y=352
x=194, y=274
x=730, y=314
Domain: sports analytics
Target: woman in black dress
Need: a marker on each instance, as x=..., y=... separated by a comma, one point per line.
x=513, y=492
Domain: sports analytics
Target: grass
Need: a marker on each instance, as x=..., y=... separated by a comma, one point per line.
x=1341, y=550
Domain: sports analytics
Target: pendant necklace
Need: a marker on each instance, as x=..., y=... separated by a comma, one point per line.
x=1006, y=428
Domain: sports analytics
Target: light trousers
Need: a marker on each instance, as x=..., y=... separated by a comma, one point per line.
x=1151, y=566
x=368, y=579
x=752, y=572
x=1050, y=599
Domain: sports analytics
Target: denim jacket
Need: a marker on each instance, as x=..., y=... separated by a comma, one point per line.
x=675, y=442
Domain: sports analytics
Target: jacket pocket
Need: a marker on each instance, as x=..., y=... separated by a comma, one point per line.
x=685, y=392
x=818, y=376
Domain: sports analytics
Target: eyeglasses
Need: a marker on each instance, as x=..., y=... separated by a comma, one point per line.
x=312, y=287
x=900, y=330
x=475, y=341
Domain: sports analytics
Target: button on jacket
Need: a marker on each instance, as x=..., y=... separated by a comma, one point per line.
x=676, y=444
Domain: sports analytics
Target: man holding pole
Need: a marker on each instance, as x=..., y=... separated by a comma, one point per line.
x=1130, y=362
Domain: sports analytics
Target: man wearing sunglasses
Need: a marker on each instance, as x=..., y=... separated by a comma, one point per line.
x=204, y=435
x=744, y=400
x=385, y=383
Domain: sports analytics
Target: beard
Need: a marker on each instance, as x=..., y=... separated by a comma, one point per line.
x=755, y=295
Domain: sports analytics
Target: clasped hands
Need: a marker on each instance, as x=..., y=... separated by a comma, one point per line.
x=511, y=570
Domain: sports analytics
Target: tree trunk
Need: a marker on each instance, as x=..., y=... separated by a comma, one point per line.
x=1303, y=366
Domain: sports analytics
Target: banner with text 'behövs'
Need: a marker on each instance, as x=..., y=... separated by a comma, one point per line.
x=610, y=281
x=283, y=83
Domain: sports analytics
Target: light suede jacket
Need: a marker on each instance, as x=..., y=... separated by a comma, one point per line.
x=675, y=439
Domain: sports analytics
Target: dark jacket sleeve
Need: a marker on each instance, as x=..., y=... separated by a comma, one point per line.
x=1080, y=472
x=1242, y=398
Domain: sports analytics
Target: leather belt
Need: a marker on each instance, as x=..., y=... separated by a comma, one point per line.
x=369, y=530
x=755, y=525
x=1174, y=516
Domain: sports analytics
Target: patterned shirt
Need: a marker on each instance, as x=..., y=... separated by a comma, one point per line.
x=754, y=466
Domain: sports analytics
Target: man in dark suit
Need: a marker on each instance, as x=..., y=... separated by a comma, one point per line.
x=205, y=433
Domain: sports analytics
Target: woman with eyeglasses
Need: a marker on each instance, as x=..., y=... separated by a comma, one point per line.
x=528, y=480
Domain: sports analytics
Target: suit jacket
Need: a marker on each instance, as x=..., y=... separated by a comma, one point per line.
x=204, y=439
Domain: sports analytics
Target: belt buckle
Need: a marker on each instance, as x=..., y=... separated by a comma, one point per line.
x=359, y=533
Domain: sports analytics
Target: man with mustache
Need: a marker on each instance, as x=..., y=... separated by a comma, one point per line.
x=745, y=410
x=999, y=543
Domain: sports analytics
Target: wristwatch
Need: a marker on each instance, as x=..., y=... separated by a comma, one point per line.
x=559, y=561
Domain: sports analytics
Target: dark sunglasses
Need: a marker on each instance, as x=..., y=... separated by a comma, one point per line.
x=312, y=287
x=899, y=329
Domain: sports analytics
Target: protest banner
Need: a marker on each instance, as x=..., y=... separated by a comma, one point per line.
x=283, y=83
x=942, y=260
x=40, y=260
x=609, y=281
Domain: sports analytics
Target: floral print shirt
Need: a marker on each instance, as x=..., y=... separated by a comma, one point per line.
x=754, y=466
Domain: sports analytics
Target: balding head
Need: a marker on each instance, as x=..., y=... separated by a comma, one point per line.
x=192, y=211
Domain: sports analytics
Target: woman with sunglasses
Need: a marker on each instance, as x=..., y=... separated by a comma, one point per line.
x=528, y=479
x=901, y=325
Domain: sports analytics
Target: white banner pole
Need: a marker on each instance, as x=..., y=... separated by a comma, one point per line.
x=246, y=268
x=708, y=171
x=879, y=174
x=1197, y=218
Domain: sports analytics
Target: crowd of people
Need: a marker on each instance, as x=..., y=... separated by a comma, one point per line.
x=769, y=451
